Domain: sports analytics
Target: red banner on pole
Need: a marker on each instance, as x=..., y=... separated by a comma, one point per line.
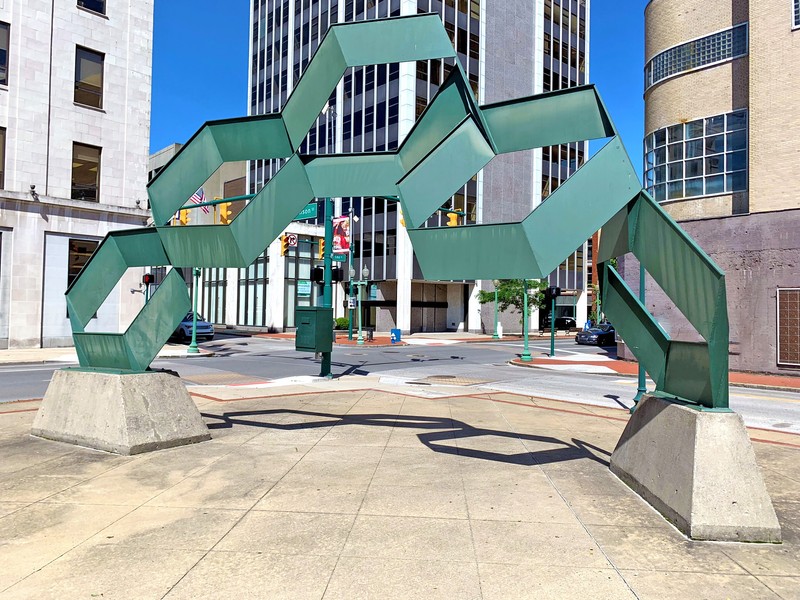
x=341, y=234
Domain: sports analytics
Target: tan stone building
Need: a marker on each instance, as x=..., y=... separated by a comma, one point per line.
x=722, y=149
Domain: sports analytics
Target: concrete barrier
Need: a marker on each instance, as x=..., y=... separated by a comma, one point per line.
x=698, y=469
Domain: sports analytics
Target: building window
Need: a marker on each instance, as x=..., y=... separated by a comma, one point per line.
x=98, y=6
x=79, y=253
x=2, y=158
x=709, y=50
x=704, y=157
x=789, y=327
x=797, y=13
x=85, y=173
x=5, y=32
x=88, y=77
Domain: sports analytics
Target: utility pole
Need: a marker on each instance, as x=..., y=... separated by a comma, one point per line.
x=327, y=287
x=350, y=281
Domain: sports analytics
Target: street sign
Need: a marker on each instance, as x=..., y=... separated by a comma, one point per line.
x=373, y=291
x=340, y=257
x=351, y=302
x=304, y=288
x=291, y=239
x=309, y=212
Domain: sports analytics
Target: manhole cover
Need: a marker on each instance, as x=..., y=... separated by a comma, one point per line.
x=418, y=356
x=782, y=425
x=356, y=354
x=442, y=377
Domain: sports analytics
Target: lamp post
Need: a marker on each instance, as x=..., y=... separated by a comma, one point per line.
x=362, y=282
x=495, y=336
x=526, y=353
x=193, y=349
x=352, y=274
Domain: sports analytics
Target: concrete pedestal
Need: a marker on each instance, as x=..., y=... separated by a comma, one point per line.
x=125, y=414
x=698, y=469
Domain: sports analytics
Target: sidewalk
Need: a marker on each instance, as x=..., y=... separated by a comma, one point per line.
x=351, y=488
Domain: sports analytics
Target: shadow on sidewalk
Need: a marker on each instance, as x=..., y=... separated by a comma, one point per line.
x=441, y=430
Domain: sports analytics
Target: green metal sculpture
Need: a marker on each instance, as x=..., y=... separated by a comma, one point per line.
x=453, y=139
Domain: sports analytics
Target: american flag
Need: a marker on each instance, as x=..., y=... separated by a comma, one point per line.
x=198, y=198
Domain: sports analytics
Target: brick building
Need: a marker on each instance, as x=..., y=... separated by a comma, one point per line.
x=721, y=147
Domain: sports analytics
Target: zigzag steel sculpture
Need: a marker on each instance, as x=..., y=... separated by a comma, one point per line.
x=453, y=139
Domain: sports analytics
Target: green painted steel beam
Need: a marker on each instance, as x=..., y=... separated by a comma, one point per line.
x=354, y=174
x=482, y=251
x=452, y=103
x=443, y=172
x=641, y=332
x=453, y=140
x=550, y=119
x=581, y=205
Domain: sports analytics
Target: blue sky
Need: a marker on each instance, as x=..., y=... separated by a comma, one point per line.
x=200, y=66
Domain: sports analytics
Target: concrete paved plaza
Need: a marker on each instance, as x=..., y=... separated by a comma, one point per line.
x=353, y=489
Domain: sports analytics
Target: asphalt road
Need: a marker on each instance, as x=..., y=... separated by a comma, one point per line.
x=254, y=360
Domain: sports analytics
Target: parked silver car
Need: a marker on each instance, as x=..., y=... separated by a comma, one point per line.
x=205, y=330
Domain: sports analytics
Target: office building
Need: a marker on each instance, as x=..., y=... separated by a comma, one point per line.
x=509, y=49
x=722, y=137
x=75, y=81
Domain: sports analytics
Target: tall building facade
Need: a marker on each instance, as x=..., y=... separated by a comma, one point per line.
x=75, y=81
x=509, y=49
x=722, y=137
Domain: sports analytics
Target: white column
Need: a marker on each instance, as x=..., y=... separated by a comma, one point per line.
x=407, y=116
x=231, y=296
x=277, y=283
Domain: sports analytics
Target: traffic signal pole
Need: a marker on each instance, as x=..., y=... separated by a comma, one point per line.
x=327, y=288
x=552, y=325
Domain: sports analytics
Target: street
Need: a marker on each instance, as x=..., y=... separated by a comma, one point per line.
x=481, y=366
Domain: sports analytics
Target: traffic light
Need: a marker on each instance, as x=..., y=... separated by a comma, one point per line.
x=184, y=217
x=225, y=213
x=552, y=292
x=318, y=275
x=452, y=220
x=148, y=278
x=321, y=252
x=284, y=245
x=337, y=274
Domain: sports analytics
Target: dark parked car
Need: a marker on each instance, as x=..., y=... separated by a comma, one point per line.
x=205, y=330
x=561, y=323
x=600, y=335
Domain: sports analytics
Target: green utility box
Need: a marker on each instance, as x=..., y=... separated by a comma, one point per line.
x=314, y=329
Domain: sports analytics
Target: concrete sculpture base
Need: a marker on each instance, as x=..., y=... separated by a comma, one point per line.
x=125, y=414
x=698, y=469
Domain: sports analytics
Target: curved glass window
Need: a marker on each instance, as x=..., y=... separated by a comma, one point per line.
x=700, y=158
x=714, y=48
